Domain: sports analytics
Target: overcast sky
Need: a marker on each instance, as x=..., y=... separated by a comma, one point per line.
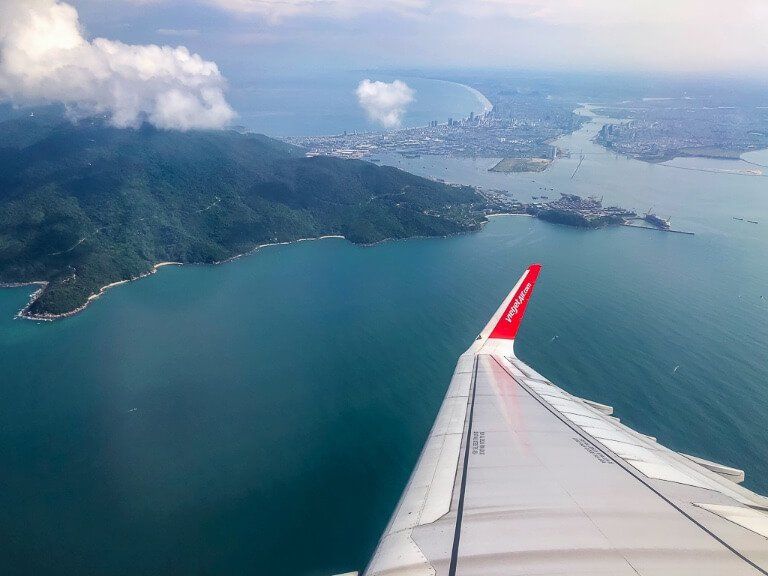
x=623, y=35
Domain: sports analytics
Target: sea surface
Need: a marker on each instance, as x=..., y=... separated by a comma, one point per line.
x=263, y=416
x=322, y=105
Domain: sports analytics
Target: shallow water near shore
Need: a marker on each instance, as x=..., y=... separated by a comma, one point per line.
x=263, y=416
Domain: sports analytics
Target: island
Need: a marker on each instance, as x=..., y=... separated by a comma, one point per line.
x=515, y=165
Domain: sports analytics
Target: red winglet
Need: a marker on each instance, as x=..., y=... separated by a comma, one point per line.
x=506, y=328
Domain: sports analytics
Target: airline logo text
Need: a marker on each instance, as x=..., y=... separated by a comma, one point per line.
x=519, y=299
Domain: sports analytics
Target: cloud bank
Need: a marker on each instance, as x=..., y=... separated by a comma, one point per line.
x=384, y=103
x=44, y=58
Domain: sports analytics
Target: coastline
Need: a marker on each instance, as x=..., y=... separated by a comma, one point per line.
x=482, y=98
x=25, y=315
x=260, y=246
x=486, y=104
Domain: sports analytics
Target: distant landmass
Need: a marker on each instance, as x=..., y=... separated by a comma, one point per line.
x=85, y=205
x=660, y=129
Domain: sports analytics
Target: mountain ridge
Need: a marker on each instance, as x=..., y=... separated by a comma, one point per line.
x=84, y=205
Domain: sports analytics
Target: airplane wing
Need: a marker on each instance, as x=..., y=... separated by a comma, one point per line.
x=518, y=477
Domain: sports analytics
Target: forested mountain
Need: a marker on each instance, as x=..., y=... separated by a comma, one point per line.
x=83, y=205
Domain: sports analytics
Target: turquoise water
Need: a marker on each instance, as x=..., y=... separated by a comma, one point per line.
x=302, y=106
x=263, y=416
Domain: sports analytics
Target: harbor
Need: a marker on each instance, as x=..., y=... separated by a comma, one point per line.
x=577, y=211
x=629, y=224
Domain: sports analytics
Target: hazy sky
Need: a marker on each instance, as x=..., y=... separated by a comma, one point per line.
x=171, y=62
x=622, y=35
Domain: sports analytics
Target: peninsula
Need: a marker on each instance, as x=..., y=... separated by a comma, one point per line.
x=85, y=206
x=569, y=209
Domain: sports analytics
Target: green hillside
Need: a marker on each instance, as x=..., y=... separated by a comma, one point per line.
x=84, y=205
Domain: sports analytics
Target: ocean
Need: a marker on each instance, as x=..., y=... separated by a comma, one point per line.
x=263, y=416
x=323, y=105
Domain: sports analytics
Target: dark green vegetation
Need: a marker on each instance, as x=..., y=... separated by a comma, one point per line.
x=84, y=205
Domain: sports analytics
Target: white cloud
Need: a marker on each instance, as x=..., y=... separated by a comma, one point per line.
x=45, y=58
x=384, y=102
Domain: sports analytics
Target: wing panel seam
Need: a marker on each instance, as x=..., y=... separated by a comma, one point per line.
x=460, y=510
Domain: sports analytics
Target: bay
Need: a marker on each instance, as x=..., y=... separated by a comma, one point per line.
x=311, y=106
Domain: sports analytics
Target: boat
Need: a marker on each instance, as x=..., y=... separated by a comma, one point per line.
x=651, y=218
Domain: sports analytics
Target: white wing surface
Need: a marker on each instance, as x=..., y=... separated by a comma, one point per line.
x=518, y=477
